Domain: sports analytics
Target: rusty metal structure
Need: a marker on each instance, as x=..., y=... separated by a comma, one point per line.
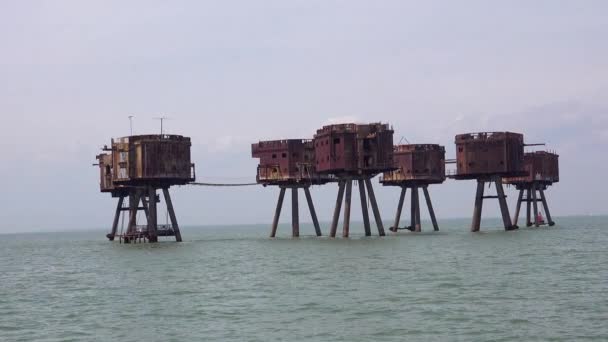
x=354, y=152
x=289, y=164
x=418, y=166
x=488, y=157
x=136, y=167
x=542, y=170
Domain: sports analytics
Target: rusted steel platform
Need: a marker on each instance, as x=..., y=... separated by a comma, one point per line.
x=542, y=170
x=135, y=168
x=488, y=157
x=354, y=152
x=418, y=166
x=289, y=164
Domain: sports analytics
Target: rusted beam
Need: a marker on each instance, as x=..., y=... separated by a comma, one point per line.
x=277, y=213
x=478, y=206
x=395, y=226
x=336, y=217
x=429, y=205
x=347, y=201
x=313, y=213
x=172, y=216
x=116, y=219
x=547, y=213
x=375, y=210
x=366, y=225
x=295, y=213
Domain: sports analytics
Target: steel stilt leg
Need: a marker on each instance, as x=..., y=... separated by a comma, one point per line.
x=336, y=217
x=547, y=213
x=478, y=206
x=518, y=207
x=116, y=219
x=429, y=205
x=364, y=211
x=295, y=213
x=418, y=226
x=395, y=226
x=347, y=201
x=535, y=205
x=376, y=211
x=528, y=207
x=313, y=213
x=172, y=216
x=152, y=216
x=277, y=213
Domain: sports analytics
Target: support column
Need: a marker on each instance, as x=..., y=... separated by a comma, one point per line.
x=336, y=217
x=528, y=207
x=418, y=223
x=295, y=213
x=152, y=217
x=478, y=206
x=313, y=213
x=395, y=226
x=366, y=225
x=518, y=207
x=116, y=218
x=277, y=213
x=413, y=210
x=144, y=203
x=372, y=198
x=172, y=216
x=347, y=201
x=502, y=201
x=429, y=205
x=134, y=199
x=535, y=205
x=547, y=213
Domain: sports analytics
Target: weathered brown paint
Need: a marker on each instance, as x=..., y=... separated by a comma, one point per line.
x=489, y=153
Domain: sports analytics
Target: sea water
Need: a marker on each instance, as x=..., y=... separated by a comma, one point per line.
x=233, y=283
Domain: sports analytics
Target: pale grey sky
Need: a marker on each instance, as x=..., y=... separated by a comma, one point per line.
x=229, y=73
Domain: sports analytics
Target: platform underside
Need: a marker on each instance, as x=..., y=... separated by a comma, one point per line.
x=296, y=182
x=482, y=176
x=410, y=182
x=529, y=185
x=154, y=182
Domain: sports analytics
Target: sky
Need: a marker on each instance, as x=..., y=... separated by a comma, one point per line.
x=230, y=73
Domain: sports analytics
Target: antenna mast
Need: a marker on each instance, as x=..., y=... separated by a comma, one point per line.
x=131, y=123
x=162, y=118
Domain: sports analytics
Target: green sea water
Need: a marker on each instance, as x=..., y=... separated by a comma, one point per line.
x=233, y=283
